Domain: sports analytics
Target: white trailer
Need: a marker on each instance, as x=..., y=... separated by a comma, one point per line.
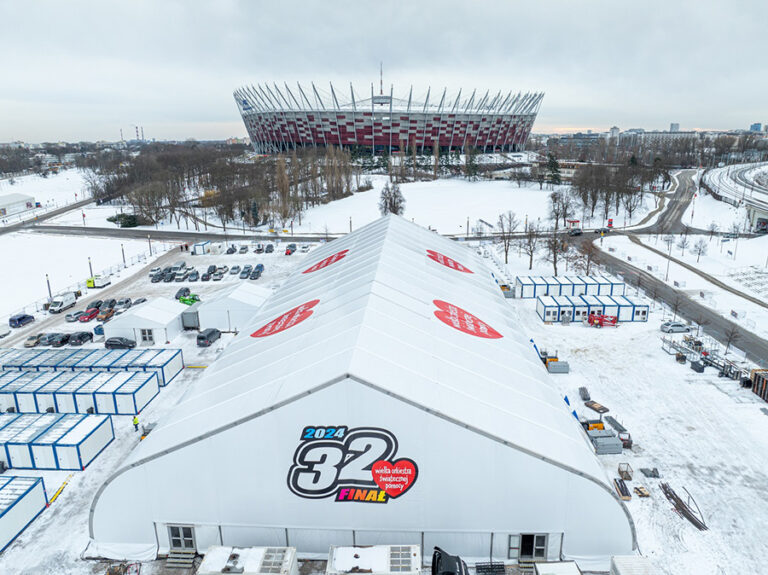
x=22, y=499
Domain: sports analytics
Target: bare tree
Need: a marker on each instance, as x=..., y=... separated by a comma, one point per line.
x=529, y=243
x=712, y=229
x=553, y=244
x=731, y=335
x=700, y=248
x=683, y=243
x=675, y=306
x=507, y=224
x=590, y=251
x=283, y=191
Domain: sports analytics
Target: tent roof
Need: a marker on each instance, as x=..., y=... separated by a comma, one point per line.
x=376, y=322
x=157, y=312
x=243, y=294
x=8, y=199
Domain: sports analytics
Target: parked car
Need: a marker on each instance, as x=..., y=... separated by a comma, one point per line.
x=194, y=276
x=46, y=338
x=169, y=277
x=110, y=303
x=218, y=276
x=88, y=315
x=222, y=269
x=181, y=276
x=212, y=269
x=74, y=316
x=731, y=235
x=247, y=267
x=234, y=270
x=20, y=320
x=62, y=301
x=259, y=268
x=269, y=249
x=259, y=249
x=674, y=327
x=80, y=337
x=119, y=343
x=123, y=304
x=231, y=250
x=245, y=274
x=157, y=278
x=182, y=292
x=33, y=340
x=255, y=275
x=137, y=301
x=205, y=277
x=99, y=329
x=189, y=299
x=290, y=249
x=58, y=339
x=603, y=230
x=105, y=314
x=95, y=303
x=154, y=271
x=243, y=249
x=575, y=232
x=304, y=248
x=206, y=337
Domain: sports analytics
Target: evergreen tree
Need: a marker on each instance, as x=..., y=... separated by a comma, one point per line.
x=553, y=170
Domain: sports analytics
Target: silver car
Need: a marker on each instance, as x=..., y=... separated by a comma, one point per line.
x=674, y=327
x=74, y=316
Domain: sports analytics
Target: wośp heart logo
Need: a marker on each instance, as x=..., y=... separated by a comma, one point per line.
x=464, y=321
x=287, y=320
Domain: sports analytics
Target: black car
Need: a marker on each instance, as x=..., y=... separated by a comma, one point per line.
x=182, y=292
x=20, y=320
x=255, y=274
x=108, y=304
x=80, y=337
x=119, y=343
x=157, y=278
x=194, y=276
x=139, y=300
x=211, y=269
x=231, y=250
x=59, y=339
x=169, y=277
x=602, y=230
x=290, y=249
x=575, y=232
x=205, y=277
x=206, y=337
x=270, y=248
x=95, y=304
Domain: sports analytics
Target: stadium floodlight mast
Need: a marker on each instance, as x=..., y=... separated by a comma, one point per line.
x=279, y=119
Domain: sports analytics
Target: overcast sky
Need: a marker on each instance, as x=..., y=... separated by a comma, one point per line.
x=73, y=70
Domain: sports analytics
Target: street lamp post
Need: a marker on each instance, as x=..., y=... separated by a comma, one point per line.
x=122, y=248
x=149, y=241
x=669, y=258
x=48, y=281
x=90, y=267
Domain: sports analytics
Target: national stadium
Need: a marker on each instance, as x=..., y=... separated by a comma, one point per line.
x=285, y=118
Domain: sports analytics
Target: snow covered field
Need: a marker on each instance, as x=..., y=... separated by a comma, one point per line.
x=55, y=191
x=704, y=210
x=29, y=256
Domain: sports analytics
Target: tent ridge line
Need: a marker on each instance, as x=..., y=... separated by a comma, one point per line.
x=511, y=445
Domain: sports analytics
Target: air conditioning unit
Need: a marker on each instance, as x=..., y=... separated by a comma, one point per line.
x=375, y=559
x=249, y=561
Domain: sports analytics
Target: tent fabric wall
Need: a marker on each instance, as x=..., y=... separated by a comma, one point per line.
x=399, y=338
x=22, y=499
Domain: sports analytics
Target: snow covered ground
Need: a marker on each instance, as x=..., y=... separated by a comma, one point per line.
x=29, y=256
x=751, y=316
x=55, y=191
x=704, y=210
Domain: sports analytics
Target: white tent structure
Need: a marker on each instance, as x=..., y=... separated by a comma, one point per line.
x=153, y=322
x=384, y=395
x=233, y=310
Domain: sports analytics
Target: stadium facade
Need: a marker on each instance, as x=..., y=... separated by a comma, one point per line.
x=279, y=119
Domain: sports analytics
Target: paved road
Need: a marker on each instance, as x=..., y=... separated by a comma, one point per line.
x=52, y=214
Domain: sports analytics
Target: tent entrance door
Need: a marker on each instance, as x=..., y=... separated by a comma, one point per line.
x=182, y=537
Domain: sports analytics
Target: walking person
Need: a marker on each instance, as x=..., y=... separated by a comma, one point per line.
x=135, y=422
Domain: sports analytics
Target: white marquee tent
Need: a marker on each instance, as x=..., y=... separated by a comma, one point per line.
x=233, y=310
x=153, y=322
x=385, y=395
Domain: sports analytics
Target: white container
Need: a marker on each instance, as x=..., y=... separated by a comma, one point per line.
x=17, y=448
x=22, y=499
x=104, y=397
x=168, y=364
x=136, y=393
x=84, y=442
x=64, y=397
x=26, y=397
x=375, y=559
x=43, y=453
x=631, y=565
x=85, y=398
x=252, y=560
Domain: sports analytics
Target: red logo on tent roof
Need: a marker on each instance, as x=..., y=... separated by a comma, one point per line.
x=462, y=320
x=287, y=320
x=326, y=262
x=447, y=262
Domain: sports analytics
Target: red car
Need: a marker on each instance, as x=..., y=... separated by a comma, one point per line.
x=89, y=314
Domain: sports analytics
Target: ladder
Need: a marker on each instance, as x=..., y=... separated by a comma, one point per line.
x=180, y=559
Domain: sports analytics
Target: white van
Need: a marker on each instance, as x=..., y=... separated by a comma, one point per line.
x=61, y=302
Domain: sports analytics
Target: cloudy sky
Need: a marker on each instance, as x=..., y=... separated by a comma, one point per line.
x=80, y=70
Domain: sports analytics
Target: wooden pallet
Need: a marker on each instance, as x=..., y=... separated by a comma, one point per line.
x=594, y=406
x=641, y=491
x=621, y=489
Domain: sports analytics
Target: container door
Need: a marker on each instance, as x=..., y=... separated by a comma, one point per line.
x=182, y=537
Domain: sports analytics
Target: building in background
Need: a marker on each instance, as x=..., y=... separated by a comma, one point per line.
x=756, y=127
x=674, y=127
x=279, y=119
x=15, y=203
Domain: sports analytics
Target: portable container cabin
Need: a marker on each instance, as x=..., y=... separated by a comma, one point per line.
x=553, y=286
x=374, y=559
x=580, y=309
x=524, y=287
x=50, y=361
x=105, y=361
x=45, y=396
x=594, y=305
x=7, y=377
x=249, y=561
x=85, y=396
x=87, y=363
x=136, y=393
x=7, y=418
x=11, y=429
x=42, y=448
x=617, y=286
x=604, y=285
x=540, y=286
x=104, y=397
x=201, y=248
x=591, y=285
x=80, y=446
x=26, y=397
x=17, y=360
x=547, y=308
x=22, y=499
x=579, y=286
x=124, y=362
x=72, y=363
x=566, y=285
x=168, y=364
x=640, y=313
x=140, y=362
x=8, y=391
x=626, y=308
x=565, y=306
x=65, y=395
x=18, y=449
x=32, y=362
x=610, y=307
